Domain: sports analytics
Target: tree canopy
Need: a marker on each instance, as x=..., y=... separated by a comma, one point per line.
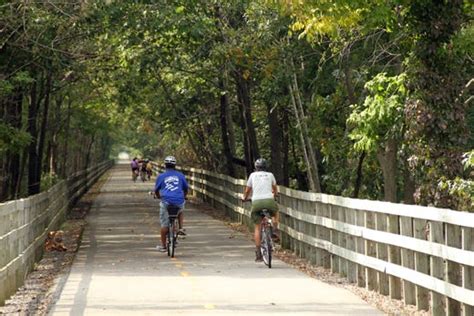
x=368, y=99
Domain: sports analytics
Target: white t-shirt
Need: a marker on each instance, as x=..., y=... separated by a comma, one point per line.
x=261, y=183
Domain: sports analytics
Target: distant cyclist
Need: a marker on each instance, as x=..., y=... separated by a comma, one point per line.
x=143, y=170
x=172, y=188
x=149, y=168
x=134, y=165
x=263, y=188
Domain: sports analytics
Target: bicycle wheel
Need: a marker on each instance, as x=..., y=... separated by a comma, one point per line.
x=173, y=238
x=266, y=246
x=170, y=243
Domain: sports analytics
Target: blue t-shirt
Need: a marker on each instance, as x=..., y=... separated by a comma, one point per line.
x=171, y=184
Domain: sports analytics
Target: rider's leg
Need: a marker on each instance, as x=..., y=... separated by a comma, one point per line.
x=257, y=235
x=164, y=232
x=180, y=219
x=164, y=221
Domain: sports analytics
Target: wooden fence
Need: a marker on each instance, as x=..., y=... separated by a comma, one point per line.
x=423, y=255
x=25, y=223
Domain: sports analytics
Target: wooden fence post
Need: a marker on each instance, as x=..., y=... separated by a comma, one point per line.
x=360, y=248
x=453, y=239
x=467, y=271
x=351, y=245
x=420, y=231
x=394, y=257
x=370, y=250
x=382, y=254
x=438, y=301
x=408, y=260
x=325, y=234
x=333, y=209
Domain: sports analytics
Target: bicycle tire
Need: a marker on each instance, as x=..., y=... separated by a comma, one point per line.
x=173, y=238
x=169, y=236
x=266, y=246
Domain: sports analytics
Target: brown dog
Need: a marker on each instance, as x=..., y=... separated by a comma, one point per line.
x=54, y=241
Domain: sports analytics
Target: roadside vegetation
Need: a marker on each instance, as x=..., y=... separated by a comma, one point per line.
x=365, y=99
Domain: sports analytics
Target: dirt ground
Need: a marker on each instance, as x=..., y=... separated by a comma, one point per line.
x=38, y=293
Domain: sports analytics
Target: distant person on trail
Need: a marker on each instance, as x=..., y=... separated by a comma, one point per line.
x=134, y=165
x=149, y=168
x=263, y=188
x=171, y=187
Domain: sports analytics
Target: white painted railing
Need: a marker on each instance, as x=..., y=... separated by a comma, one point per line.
x=24, y=224
x=423, y=255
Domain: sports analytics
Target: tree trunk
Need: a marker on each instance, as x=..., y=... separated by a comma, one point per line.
x=409, y=187
x=311, y=165
x=243, y=97
x=286, y=149
x=358, y=181
x=224, y=109
x=44, y=123
x=65, y=156
x=276, y=142
x=15, y=119
x=388, y=161
x=55, y=130
x=33, y=181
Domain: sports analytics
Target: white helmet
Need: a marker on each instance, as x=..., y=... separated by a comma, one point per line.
x=170, y=160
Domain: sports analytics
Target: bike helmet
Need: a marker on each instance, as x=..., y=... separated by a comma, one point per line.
x=170, y=162
x=260, y=164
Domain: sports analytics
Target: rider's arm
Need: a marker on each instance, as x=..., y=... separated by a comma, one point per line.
x=247, y=192
x=274, y=189
x=158, y=183
x=184, y=186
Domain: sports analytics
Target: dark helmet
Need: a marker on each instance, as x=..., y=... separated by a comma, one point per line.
x=260, y=164
x=170, y=162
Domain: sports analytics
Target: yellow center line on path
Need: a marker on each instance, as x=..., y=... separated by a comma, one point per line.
x=184, y=273
x=209, y=306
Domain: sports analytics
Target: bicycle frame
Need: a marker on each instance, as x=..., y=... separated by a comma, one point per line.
x=172, y=235
x=266, y=243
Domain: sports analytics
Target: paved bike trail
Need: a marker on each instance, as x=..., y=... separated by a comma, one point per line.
x=118, y=271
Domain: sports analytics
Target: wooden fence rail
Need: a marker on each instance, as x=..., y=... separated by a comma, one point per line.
x=24, y=224
x=423, y=255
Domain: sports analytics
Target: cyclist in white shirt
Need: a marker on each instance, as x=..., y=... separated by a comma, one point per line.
x=263, y=188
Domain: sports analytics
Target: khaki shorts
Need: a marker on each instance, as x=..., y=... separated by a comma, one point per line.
x=258, y=205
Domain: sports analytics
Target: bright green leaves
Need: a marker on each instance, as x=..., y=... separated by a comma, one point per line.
x=333, y=17
x=381, y=115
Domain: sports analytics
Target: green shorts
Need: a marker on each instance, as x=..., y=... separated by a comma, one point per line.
x=258, y=205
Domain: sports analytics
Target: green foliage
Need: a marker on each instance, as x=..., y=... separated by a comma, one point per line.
x=460, y=189
x=12, y=139
x=381, y=115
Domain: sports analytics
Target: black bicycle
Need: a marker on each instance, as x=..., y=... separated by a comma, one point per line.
x=172, y=235
x=266, y=231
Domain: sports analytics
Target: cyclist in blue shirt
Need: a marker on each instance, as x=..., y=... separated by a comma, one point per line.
x=171, y=187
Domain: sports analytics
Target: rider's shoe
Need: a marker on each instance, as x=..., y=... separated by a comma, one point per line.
x=160, y=248
x=258, y=256
x=181, y=232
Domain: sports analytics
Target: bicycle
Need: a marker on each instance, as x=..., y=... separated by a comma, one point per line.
x=143, y=175
x=172, y=235
x=266, y=242
x=266, y=232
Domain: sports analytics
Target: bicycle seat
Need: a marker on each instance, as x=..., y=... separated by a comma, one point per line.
x=173, y=210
